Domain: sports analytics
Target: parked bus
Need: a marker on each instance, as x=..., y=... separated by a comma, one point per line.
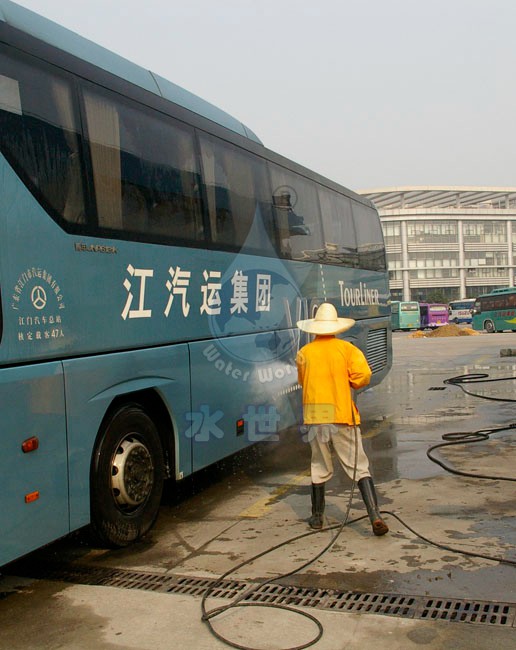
x=433, y=315
x=405, y=315
x=459, y=311
x=154, y=260
x=495, y=311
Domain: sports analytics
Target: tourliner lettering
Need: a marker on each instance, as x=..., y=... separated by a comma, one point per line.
x=355, y=296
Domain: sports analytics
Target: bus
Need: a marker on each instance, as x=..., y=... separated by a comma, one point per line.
x=433, y=315
x=459, y=311
x=155, y=257
x=405, y=315
x=495, y=311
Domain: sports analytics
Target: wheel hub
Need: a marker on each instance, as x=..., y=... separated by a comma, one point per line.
x=132, y=473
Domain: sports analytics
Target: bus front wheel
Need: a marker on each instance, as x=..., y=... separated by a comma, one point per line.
x=127, y=475
x=489, y=327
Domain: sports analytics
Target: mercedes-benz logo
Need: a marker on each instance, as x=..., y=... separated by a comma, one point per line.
x=38, y=297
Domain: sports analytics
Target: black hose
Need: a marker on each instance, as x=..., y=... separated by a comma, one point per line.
x=237, y=602
x=454, y=438
x=207, y=615
x=478, y=378
x=464, y=438
x=492, y=558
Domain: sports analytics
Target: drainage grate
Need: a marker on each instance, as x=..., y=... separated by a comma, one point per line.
x=288, y=595
x=468, y=611
x=422, y=607
x=437, y=388
x=198, y=586
x=388, y=604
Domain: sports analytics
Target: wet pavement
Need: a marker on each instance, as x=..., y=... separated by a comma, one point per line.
x=231, y=512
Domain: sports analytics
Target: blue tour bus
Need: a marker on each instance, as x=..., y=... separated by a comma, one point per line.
x=405, y=315
x=154, y=259
x=495, y=311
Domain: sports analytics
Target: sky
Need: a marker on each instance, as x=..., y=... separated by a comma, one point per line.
x=370, y=93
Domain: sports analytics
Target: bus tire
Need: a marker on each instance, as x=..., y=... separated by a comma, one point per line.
x=127, y=474
x=489, y=327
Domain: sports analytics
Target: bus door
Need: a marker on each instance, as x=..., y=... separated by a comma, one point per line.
x=425, y=315
x=33, y=459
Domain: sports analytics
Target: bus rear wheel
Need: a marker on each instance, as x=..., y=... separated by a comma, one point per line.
x=127, y=475
x=489, y=327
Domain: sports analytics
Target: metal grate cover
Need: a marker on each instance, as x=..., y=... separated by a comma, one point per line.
x=376, y=349
x=388, y=604
x=421, y=607
x=468, y=611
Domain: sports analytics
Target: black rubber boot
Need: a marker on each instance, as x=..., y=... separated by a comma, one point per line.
x=368, y=493
x=316, y=520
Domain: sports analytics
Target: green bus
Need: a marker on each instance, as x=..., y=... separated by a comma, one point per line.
x=405, y=315
x=495, y=311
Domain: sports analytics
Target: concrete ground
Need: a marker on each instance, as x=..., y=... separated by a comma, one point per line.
x=396, y=591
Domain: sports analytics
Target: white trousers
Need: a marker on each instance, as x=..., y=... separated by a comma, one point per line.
x=340, y=437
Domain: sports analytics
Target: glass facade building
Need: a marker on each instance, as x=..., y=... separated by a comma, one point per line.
x=459, y=242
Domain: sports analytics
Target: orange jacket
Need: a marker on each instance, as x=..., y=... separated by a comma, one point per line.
x=327, y=370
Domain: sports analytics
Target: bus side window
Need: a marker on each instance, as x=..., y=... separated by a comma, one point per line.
x=144, y=170
x=39, y=136
x=237, y=191
x=298, y=218
x=104, y=140
x=340, y=243
x=371, y=247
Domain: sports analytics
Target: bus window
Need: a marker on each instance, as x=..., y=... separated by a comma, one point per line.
x=297, y=215
x=371, y=249
x=238, y=194
x=144, y=171
x=340, y=244
x=39, y=136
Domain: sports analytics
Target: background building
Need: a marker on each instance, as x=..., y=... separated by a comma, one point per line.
x=447, y=243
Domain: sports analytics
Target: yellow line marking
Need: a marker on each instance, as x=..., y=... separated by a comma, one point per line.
x=260, y=507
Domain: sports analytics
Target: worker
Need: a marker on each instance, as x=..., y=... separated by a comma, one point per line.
x=328, y=368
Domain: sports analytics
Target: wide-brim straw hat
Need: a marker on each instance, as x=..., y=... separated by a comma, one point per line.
x=326, y=321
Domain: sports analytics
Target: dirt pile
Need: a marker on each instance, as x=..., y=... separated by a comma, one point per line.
x=444, y=330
